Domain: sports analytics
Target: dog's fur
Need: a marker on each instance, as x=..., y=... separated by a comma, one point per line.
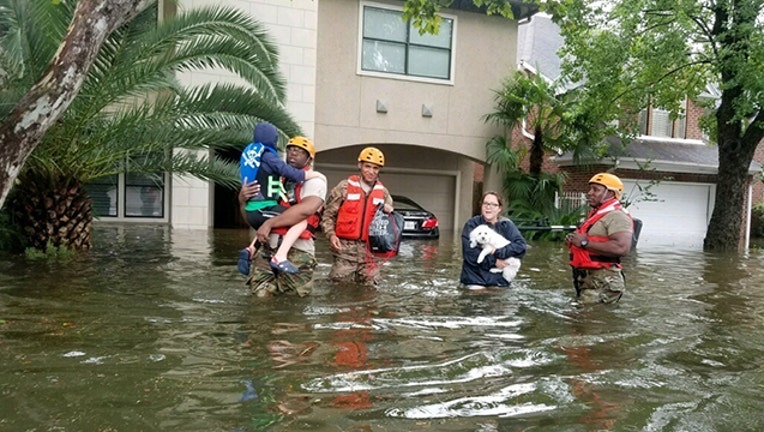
x=488, y=239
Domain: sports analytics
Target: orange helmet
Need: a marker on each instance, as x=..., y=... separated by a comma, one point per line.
x=303, y=143
x=610, y=181
x=372, y=155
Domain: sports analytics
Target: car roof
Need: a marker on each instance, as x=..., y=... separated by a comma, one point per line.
x=407, y=200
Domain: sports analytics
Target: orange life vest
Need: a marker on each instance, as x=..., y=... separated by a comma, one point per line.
x=313, y=220
x=357, y=210
x=583, y=259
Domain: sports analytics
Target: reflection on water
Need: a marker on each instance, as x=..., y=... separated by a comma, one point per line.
x=156, y=331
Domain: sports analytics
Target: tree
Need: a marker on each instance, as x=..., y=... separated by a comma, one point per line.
x=528, y=102
x=133, y=116
x=54, y=89
x=631, y=53
x=649, y=51
x=424, y=13
x=636, y=52
x=531, y=102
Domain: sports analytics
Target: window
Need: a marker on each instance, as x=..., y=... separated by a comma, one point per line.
x=395, y=47
x=128, y=196
x=657, y=122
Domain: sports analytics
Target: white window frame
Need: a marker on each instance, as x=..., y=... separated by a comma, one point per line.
x=404, y=77
x=676, y=124
x=121, y=202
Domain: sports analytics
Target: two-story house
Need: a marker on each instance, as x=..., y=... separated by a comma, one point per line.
x=357, y=75
x=673, y=152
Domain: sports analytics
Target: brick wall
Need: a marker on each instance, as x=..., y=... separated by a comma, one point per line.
x=578, y=177
x=692, y=125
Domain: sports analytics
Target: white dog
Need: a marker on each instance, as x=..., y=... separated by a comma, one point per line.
x=490, y=240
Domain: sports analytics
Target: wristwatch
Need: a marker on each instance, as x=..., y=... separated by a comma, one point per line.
x=584, y=243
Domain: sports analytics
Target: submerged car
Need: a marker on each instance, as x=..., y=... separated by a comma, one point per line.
x=418, y=222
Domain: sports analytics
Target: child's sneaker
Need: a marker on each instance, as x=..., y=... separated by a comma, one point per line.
x=283, y=266
x=245, y=259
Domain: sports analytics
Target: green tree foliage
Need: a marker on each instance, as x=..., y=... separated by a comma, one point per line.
x=30, y=117
x=132, y=114
x=530, y=198
x=634, y=52
x=424, y=13
x=531, y=103
x=556, y=123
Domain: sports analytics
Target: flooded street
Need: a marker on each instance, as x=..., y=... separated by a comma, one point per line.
x=155, y=331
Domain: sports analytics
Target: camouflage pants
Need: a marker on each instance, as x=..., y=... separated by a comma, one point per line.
x=354, y=263
x=264, y=282
x=599, y=285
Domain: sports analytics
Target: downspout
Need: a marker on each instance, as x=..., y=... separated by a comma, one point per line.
x=525, y=66
x=747, y=240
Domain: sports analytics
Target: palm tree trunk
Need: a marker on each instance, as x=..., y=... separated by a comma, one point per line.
x=59, y=216
x=537, y=154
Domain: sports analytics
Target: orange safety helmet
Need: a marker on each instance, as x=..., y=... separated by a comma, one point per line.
x=372, y=155
x=610, y=181
x=303, y=143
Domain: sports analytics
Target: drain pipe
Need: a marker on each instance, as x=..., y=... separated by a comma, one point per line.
x=747, y=241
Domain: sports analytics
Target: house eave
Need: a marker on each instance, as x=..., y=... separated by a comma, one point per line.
x=653, y=165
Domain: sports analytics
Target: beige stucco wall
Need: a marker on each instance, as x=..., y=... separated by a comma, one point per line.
x=346, y=102
x=455, y=135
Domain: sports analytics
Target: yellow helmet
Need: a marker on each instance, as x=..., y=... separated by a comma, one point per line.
x=303, y=143
x=610, y=181
x=372, y=155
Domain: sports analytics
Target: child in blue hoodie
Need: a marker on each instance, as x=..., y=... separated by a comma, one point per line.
x=260, y=161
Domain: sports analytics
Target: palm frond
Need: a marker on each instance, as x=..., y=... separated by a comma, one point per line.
x=214, y=169
x=133, y=115
x=32, y=31
x=139, y=63
x=502, y=156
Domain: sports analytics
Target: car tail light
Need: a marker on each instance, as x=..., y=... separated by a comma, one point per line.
x=430, y=223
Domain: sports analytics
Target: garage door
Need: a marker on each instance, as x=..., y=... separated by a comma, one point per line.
x=434, y=192
x=677, y=214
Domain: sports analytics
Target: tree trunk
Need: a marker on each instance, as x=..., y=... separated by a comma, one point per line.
x=737, y=143
x=39, y=109
x=60, y=215
x=537, y=154
x=735, y=156
x=724, y=228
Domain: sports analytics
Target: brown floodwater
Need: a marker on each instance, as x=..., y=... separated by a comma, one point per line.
x=155, y=331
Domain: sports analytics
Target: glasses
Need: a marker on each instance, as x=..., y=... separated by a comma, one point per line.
x=492, y=205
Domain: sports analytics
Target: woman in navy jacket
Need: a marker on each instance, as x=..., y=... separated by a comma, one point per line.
x=474, y=275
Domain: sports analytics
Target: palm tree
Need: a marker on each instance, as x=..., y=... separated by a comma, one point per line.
x=531, y=102
x=132, y=114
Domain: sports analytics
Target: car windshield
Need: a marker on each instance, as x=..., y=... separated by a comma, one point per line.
x=402, y=203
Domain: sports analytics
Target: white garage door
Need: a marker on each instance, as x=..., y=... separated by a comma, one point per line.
x=677, y=214
x=434, y=192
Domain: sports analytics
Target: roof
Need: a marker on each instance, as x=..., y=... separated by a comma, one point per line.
x=538, y=40
x=666, y=154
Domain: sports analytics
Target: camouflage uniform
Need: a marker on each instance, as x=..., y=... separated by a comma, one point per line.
x=600, y=285
x=264, y=282
x=354, y=262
